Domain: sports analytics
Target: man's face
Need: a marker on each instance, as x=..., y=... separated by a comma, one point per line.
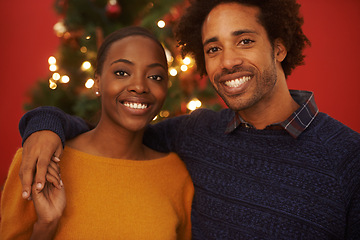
x=240, y=59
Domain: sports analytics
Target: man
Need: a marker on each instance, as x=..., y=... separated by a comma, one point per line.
x=270, y=167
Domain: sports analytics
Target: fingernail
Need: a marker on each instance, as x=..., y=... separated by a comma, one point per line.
x=56, y=159
x=38, y=186
x=61, y=183
x=24, y=194
x=29, y=198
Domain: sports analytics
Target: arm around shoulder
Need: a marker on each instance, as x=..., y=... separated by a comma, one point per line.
x=53, y=119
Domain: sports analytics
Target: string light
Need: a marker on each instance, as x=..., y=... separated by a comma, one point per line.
x=164, y=114
x=53, y=68
x=86, y=65
x=52, y=84
x=52, y=60
x=89, y=83
x=83, y=49
x=65, y=79
x=60, y=28
x=56, y=76
x=184, y=68
x=186, y=60
x=161, y=24
x=193, y=104
x=173, y=72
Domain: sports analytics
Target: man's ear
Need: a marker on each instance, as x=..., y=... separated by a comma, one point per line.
x=279, y=50
x=97, y=85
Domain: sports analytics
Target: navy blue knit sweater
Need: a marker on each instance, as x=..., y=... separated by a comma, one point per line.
x=256, y=184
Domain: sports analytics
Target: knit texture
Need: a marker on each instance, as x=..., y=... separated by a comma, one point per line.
x=108, y=199
x=261, y=184
x=265, y=184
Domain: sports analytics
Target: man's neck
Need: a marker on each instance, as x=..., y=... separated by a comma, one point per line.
x=276, y=109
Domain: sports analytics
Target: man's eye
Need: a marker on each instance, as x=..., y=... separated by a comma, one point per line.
x=156, y=77
x=121, y=73
x=246, y=41
x=212, y=50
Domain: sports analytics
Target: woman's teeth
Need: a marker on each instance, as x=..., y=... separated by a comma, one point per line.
x=135, y=105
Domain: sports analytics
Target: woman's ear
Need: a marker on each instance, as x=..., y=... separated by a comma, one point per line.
x=280, y=50
x=97, y=86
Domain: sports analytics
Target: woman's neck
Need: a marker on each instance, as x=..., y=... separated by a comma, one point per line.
x=113, y=142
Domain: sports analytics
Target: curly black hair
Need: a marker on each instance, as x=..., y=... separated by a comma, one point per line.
x=280, y=18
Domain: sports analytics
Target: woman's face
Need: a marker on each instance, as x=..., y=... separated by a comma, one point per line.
x=133, y=82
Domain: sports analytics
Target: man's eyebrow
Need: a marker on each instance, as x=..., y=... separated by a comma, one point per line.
x=235, y=33
x=240, y=32
x=210, y=40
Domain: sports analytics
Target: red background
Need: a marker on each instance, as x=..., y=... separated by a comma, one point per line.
x=332, y=63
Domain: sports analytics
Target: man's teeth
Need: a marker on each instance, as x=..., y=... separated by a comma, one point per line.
x=237, y=82
x=136, y=105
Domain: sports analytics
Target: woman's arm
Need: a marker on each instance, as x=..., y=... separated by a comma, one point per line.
x=49, y=204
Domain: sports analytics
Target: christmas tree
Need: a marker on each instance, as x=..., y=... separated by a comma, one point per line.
x=82, y=26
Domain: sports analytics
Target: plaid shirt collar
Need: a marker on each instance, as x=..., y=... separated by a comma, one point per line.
x=296, y=123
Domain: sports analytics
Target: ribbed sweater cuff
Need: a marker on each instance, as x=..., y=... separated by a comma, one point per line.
x=44, y=118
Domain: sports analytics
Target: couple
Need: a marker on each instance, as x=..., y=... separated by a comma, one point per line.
x=269, y=167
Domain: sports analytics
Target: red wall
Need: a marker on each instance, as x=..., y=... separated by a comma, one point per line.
x=26, y=40
x=332, y=63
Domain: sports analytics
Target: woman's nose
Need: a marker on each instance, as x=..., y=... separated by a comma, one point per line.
x=138, y=85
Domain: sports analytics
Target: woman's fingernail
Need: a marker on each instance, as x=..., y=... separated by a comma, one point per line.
x=61, y=183
x=56, y=159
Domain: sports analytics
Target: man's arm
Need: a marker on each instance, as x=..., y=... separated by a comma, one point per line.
x=163, y=136
x=44, y=131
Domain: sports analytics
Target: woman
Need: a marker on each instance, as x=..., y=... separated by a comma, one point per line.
x=116, y=187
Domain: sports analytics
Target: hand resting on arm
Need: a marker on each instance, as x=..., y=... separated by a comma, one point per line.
x=44, y=131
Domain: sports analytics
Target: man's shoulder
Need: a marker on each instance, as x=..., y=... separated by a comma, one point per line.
x=334, y=134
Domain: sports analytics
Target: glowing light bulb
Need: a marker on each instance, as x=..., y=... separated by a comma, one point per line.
x=86, y=65
x=83, y=49
x=186, y=61
x=193, y=104
x=88, y=37
x=65, y=79
x=52, y=84
x=52, y=60
x=184, y=68
x=164, y=114
x=173, y=72
x=89, y=83
x=53, y=68
x=161, y=23
x=56, y=76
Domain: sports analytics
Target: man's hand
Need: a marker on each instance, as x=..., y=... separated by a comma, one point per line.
x=38, y=150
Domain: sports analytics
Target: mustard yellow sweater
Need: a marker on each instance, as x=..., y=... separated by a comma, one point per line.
x=108, y=199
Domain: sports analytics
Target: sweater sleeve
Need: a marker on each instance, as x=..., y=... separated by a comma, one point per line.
x=53, y=119
x=163, y=136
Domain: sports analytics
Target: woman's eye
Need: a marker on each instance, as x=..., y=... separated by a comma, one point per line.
x=156, y=77
x=121, y=73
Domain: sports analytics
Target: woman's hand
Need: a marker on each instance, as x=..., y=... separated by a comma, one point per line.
x=49, y=204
